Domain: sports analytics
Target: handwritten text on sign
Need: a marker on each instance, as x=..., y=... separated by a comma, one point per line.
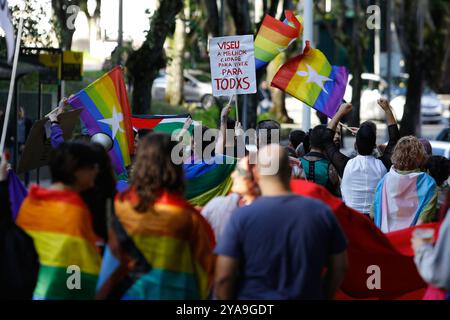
x=232, y=65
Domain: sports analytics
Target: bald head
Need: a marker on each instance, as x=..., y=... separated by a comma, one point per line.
x=273, y=164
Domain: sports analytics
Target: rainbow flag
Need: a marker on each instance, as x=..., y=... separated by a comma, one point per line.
x=177, y=244
x=161, y=123
x=208, y=179
x=60, y=224
x=310, y=78
x=274, y=37
x=106, y=109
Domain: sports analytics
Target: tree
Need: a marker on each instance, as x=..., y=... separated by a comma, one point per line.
x=144, y=64
x=175, y=74
x=422, y=28
x=356, y=43
x=64, y=15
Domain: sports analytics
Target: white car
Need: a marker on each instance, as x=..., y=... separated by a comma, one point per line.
x=441, y=148
x=194, y=89
x=431, y=108
x=372, y=89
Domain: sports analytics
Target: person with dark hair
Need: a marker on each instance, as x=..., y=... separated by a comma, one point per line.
x=60, y=223
x=19, y=261
x=361, y=174
x=295, y=138
x=140, y=134
x=315, y=165
x=102, y=193
x=279, y=246
x=438, y=167
x=174, y=239
x=268, y=131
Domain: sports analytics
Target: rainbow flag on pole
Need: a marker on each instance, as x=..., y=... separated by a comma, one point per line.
x=65, y=242
x=106, y=109
x=274, y=36
x=310, y=78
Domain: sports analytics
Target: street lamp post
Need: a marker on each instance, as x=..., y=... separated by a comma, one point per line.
x=308, y=32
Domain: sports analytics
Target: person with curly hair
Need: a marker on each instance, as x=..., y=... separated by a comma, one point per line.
x=163, y=245
x=405, y=196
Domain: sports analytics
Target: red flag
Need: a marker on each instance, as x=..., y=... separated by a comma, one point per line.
x=368, y=246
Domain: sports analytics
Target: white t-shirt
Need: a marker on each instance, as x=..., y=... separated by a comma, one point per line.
x=359, y=181
x=218, y=211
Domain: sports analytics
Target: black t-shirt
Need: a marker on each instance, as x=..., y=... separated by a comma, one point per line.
x=282, y=244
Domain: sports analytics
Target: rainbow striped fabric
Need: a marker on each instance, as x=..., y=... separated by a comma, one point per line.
x=310, y=78
x=60, y=224
x=176, y=242
x=274, y=36
x=160, y=123
x=208, y=179
x=402, y=198
x=106, y=109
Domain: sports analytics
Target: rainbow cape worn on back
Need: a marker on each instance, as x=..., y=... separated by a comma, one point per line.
x=274, y=37
x=60, y=224
x=208, y=179
x=177, y=244
x=106, y=109
x=310, y=78
x=368, y=246
x=405, y=197
x=160, y=123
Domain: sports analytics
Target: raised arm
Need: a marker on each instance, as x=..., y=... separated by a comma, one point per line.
x=394, y=133
x=338, y=159
x=56, y=136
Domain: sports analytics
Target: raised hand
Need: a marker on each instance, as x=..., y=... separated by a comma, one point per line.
x=345, y=108
x=384, y=104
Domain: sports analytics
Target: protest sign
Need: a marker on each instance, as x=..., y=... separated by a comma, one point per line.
x=36, y=152
x=232, y=65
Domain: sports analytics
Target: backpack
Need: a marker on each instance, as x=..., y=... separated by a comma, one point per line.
x=317, y=171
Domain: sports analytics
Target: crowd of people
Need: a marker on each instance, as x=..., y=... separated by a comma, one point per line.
x=259, y=241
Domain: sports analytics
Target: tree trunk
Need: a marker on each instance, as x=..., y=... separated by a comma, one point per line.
x=175, y=78
x=356, y=56
x=64, y=21
x=239, y=10
x=278, y=96
x=356, y=83
x=213, y=19
x=144, y=64
x=410, y=124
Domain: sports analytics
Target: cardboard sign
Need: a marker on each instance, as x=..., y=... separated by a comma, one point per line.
x=232, y=65
x=36, y=152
